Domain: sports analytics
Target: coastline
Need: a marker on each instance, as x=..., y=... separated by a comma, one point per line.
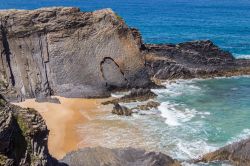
x=63, y=119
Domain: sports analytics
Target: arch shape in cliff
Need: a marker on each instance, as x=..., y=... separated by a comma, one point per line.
x=112, y=73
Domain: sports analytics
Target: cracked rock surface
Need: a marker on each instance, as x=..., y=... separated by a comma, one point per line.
x=63, y=51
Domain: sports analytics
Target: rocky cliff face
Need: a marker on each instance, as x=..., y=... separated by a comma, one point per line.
x=62, y=51
x=23, y=137
x=65, y=52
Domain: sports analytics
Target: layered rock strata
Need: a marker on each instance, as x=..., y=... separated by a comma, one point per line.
x=66, y=52
x=194, y=59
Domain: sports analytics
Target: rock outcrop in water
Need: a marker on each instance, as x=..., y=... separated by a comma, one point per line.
x=237, y=153
x=117, y=157
x=121, y=110
x=200, y=59
x=65, y=52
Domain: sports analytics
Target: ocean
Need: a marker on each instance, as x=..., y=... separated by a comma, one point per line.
x=195, y=116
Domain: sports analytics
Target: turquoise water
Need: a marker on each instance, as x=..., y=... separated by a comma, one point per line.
x=219, y=107
x=224, y=105
x=195, y=117
x=226, y=22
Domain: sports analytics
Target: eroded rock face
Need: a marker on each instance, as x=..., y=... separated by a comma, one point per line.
x=191, y=60
x=62, y=51
x=237, y=153
x=23, y=137
x=117, y=157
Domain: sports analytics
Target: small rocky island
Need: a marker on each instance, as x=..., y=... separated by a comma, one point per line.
x=66, y=52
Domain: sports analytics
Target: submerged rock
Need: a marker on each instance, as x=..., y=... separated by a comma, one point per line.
x=121, y=110
x=237, y=153
x=149, y=105
x=100, y=156
x=134, y=95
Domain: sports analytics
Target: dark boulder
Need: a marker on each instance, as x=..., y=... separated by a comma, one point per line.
x=121, y=110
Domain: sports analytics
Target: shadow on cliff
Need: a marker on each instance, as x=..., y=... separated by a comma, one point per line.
x=7, y=52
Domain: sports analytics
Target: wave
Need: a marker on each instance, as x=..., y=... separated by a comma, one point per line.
x=177, y=88
x=245, y=134
x=119, y=94
x=242, y=56
x=175, y=117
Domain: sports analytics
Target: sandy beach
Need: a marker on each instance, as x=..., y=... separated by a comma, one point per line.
x=63, y=119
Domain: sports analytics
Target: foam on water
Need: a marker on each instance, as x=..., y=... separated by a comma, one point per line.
x=195, y=117
x=243, y=135
x=240, y=56
x=119, y=94
x=175, y=116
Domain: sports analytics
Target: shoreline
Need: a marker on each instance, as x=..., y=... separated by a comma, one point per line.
x=63, y=119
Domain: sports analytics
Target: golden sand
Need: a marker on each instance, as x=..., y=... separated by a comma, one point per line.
x=62, y=121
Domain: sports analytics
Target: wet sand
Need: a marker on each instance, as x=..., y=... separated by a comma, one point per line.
x=63, y=119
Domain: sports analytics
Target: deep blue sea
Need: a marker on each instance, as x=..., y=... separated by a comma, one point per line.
x=226, y=22
x=195, y=116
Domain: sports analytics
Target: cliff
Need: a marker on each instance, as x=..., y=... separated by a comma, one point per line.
x=65, y=52
x=23, y=137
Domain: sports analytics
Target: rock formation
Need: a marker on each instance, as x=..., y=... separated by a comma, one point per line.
x=23, y=137
x=237, y=153
x=133, y=96
x=65, y=52
x=121, y=110
x=117, y=157
x=200, y=59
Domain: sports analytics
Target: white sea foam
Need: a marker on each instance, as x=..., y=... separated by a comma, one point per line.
x=189, y=149
x=175, y=117
x=178, y=88
x=242, y=56
x=119, y=94
x=243, y=135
